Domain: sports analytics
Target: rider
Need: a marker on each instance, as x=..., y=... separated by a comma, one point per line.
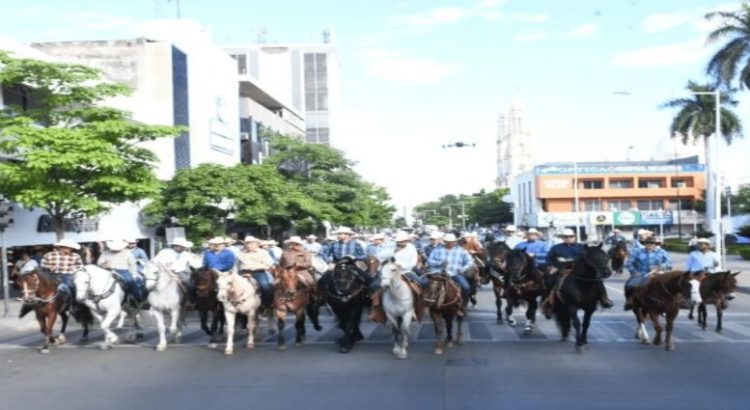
x=641, y=236
x=436, y=238
x=615, y=238
x=63, y=263
x=139, y=254
x=536, y=248
x=342, y=247
x=177, y=259
x=476, y=250
x=511, y=239
x=643, y=262
x=296, y=255
x=405, y=256
x=311, y=244
x=454, y=261
x=377, y=246
x=217, y=257
x=701, y=262
x=119, y=258
x=257, y=262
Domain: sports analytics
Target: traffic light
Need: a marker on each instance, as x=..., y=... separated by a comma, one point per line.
x=5, y=215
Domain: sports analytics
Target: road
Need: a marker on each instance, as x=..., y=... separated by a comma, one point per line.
x=497, y=367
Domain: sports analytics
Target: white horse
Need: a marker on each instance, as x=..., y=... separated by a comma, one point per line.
x=238, y=295
x=98, y=289
x=398, y=303
x=165, y=294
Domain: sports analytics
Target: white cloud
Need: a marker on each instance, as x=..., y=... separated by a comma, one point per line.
x=529, y=18
x=529, y=37
x=585, y=30
x=686, y=52
x=436, y=16
x=397, y=66
x=486, y=9
x=693, y=17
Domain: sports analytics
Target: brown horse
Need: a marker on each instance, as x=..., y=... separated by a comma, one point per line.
x=42, y=295
x=493, y=273
x=716, y=289
x=206, y=301
x=618, y=254
x=662, y=293
x=290, y=295
x=443, y=298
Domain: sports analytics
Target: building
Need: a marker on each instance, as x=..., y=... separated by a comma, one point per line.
x=514, y=146
x=630, y=194
x=304, y=77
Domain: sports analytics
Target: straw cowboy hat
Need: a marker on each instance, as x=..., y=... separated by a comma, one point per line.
x=216, y=241
x=295, y=239
x=510, y=228
x=436, y=235
x=180, y=241
x=251, y=238
x=704, y=240
x=344, y=229
x=313, y=237
x=567, y=232
x=117, y=245
x=269, y=242
x=533, y=231
x=651, y=239
x=67, y=243
x=377, y=236
x=402, y=237
x=449, y=238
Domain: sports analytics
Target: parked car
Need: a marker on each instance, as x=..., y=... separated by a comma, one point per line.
x=733, y=239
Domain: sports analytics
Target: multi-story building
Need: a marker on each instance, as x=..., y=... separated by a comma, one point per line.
x=305, y=77
x=599, y=196
x=514, y=145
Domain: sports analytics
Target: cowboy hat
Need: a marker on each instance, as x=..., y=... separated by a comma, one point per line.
x=251, y=238
x=180, y=241
x=344, y=229
x=510, y=228
x=216, y=241
x=567, y=232
x=269, y=242
x=449, y=238
x=117, y=245
x=533, y=231
x=67, y=243
x=704, y=240
x=313, y=237
x=295, y=239
x=229, y=241
x=651, y=239
x=402, y=237
x=436, y=235
x=377, y=236
x=131, y=240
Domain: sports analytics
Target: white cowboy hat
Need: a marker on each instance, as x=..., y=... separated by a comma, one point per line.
x=117, y=245
x=704, y=240
x=510, y=228
x=344, y=229
x=313, y=237
x=216, y=241
x=67, y=243
x=251, y=238
x=643, y=232
x=229, y=241
x=331, y=238
x=295, y=239
x=179, y=241
x=567, y=232
x=402, y=237
x=377, y=236
x=436, y=235
x=270, y=242
x=533, y=231
x=131, y=240
x=449, y=238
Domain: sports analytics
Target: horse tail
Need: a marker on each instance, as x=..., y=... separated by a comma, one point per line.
x=82, y=314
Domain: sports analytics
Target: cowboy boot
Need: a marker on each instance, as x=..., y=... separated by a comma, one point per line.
x=603, y=299
x=377, y=313
x=548, y=304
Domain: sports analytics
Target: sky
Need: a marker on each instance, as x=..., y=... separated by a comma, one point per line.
x=419, y=74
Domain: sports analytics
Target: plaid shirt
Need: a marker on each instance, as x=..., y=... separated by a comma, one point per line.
x=56, y=262
x=642, y=261
x=339, y=249
x=458, y=260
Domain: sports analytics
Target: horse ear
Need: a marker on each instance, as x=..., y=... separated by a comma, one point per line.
x=735, y=273
x=600, y=245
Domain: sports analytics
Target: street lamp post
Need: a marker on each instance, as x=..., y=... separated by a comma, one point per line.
x=575, y=200
x=450, y=217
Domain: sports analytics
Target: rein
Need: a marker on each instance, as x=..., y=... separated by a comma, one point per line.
x=34, y=300
x=90, y=293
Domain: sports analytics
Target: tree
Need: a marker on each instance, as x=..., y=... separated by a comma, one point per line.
x=732, y=60
x=73, y=156
x=741, y=201
x=483, y=208
x=489, y=209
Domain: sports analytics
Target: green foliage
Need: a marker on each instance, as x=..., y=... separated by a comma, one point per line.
x=484, y=208
x=73, y=155
x=745, y=253
x=741, y=201
x=676, y=247
x=744, y=230
x=730, y=62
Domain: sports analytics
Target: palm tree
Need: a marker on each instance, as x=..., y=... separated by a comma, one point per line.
x=734, y=56
x=696, y=118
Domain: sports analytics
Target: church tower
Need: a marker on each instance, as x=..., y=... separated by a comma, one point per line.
x=514, y=144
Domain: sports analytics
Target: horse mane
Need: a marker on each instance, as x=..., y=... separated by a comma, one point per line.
x=47, y=276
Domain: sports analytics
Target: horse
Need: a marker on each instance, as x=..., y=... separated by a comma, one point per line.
x=523, y=282
x=398, y=304
x=205, y=301
x=42, y=295
x=579, y=289
x=346, y=294
x=662, y=293
x=238, y=295
x=443, y=298
x=290, y=295
x=165, y=294
x=618, y=254
x=493, y=272
x=715, y=289
x=100, y=291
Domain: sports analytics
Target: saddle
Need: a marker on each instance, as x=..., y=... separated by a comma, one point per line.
x=416, y=290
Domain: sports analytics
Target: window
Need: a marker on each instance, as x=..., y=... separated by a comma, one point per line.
x=316, y=82
x=681, y=182
x=685, y=204
x=241, y=63
x=592, y=205
x=317, y=135
x=651, y=183
x=650, y=204
x=592, y=184
x=620, y=183
x=619, y=204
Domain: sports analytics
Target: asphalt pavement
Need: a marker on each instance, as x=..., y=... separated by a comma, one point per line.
x=496, y=367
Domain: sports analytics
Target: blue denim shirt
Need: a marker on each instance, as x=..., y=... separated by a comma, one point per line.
x=458, y=260
x=563, y=250
x=339, y=249
x=222, y=261
x=642, y=261
x=699, y=261
x=538, y=248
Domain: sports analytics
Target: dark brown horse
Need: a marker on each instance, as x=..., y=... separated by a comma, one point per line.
x=493, y=273
x=661, y=294
x=205, y=301
x=716, y=289
x=443, y=298
x=618, y=254
x=290, y=295
x=42, y=295
x=346, y=293
x=524, y=282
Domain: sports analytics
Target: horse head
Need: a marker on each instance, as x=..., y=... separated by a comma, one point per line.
x=151, y=274
x=518, y=264
x=204, y=280
x=29, y=284
x=390, y=271
x=288, y=281
x=727, y=284
x=224, y=285
x=595, y=260
x=345, y=276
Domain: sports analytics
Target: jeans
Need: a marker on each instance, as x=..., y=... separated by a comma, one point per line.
x=187, y=282
x=463, y=282
x=134, y=285
x=66, y=282
x=266, y=289
x=422, y=280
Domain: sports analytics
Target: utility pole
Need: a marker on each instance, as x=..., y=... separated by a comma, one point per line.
x=177, y=7
x=5, y=221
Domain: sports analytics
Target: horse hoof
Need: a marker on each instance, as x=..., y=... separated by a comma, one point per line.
x=690, y=316
x=177, y=340
x=402, y=356
x=105, y=347
x=670, y=348
x=271, y=331
x=344, y=350
x=161, y=348
x=527, y=330
x=645, y=342
x=44, y=351
x=61, y=340
x=318, y=327
x=212, y=345
x=580, y=349
x=563, y=339
x=139, y=336
x=281, y=348
x=228, y=352
x=298, y=344
x=250, y=346
x=499, y=321
x=511, y=322
x=438, y=352
x=449, y=345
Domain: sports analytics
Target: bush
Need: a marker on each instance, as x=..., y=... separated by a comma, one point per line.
x=744, y=230
x=675, y=247
x=745, y=253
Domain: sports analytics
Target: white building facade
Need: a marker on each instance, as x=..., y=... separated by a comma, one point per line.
x=514, y=146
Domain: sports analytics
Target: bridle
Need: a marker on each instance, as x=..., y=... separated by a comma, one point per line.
x=229, y=290
x=29, y=295
x=205, y=290
x=90, y=293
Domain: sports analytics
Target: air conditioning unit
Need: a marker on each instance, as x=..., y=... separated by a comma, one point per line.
x=244, y=136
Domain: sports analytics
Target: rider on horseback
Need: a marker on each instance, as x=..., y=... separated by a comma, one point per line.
x=63, y=263
x=476, y=250
x=700, y=263
x=257, y=262
x=615, y=238
x=535, y=248
x=341, y=248
x=296, y=255
x=643, y=262
x=454, y=261
x=120, y=259
x=406, y=257
x=511, y=239
x=177, y=259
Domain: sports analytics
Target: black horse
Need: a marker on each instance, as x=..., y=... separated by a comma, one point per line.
x=494, y=271
x=346, y=293
x=580, y=289
x=523, y=282
x=618, y=254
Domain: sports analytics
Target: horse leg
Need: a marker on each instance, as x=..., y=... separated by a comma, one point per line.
x=64, y=318
x=158, y=315
x=690, y=314
x=509, y=312
x=587, y=314
x=110, y=337
x=448, y=317
x=438, y=321
x=175, y=327
x=42, y=319
x=702, y=315
x=530, y=316
x=313, y=311
x=499, y=304
x=250, y=329
x=203, y=314
x=230, y=318
x=280, y=323
x=671, y=315
x=576, y=321
x=299, y=327
x=657, y=327
x=641, y=332
x=459, y=331
x=217, y=316
x=719, y=314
